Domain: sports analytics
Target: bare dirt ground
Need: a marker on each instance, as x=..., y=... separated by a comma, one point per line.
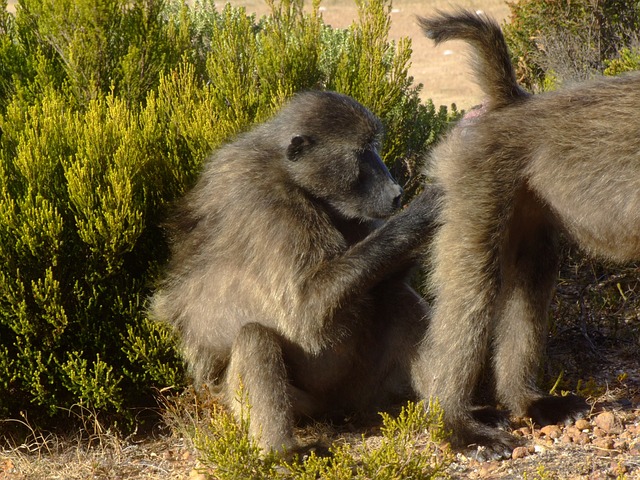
x=606, y=445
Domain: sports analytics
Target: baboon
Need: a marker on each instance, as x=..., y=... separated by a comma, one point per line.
x=514, y=177
x=285, y=279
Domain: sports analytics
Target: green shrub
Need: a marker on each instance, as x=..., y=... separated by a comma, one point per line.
x=408, y=447
x=568, y=40
x=107, y=111
x=627, y=61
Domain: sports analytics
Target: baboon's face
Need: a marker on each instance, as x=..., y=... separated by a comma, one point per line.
x=374, y=193
x=335, y=156
x=351, y=178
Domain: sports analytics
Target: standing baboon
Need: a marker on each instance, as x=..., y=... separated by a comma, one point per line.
x=513, y=177
x=283, y=277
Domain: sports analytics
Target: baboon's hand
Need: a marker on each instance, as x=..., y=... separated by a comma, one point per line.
x=484, y=443
x=424, y=207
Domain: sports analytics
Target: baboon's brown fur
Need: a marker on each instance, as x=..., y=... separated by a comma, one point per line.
x=285, y=280
x=513, y=177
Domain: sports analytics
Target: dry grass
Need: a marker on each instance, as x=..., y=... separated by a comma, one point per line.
x=93, y=453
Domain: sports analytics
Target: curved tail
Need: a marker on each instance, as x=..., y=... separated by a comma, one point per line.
x=492, y=63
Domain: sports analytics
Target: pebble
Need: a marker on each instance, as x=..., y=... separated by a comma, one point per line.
x=598, y=432
x=618, y=469
x=583, y=424
x=606, y=443
x=488, y=468
x=519, y=452
x=573, y=433
x=621, y=444
x=582, y=439
x=551, y=431
x=523, y=431
x=607, y=422
x=539, y=448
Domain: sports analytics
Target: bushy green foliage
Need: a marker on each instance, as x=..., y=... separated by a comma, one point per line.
x=627, y=61
x=408, y=448
x=553, y=41
x=78, y=210
x=107, y=110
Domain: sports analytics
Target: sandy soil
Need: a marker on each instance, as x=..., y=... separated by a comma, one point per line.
x=443, y=70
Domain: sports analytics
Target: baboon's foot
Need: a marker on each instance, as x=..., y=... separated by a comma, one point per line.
x=491, y=416
x=549, y=410
x=484, y=443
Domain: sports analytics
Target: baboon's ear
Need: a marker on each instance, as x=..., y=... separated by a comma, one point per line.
x=297, y=145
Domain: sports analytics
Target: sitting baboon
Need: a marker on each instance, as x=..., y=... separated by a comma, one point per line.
x=285, y=281
x=513, y=177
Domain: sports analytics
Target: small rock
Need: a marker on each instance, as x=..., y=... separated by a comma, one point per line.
x=606, y=443
x=519, y=452
x=522, y=431
x=607, y=422
x=598, y=432
x=566, y=438
x=573, y=433
x=186, y=455
x=488, y=468
x=582, y=439
x=583, y=424
x=552, y=431
x=539, y=448
x=618, y=469
x=621, y=444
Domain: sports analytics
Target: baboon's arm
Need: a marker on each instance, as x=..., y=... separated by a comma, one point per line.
x=385, y=251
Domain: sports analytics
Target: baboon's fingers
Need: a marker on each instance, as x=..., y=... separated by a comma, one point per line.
x=482, y=442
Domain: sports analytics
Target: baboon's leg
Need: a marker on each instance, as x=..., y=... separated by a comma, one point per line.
x=466, y=281
x=405, y=316
x=257, y=378
x=530, y=265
